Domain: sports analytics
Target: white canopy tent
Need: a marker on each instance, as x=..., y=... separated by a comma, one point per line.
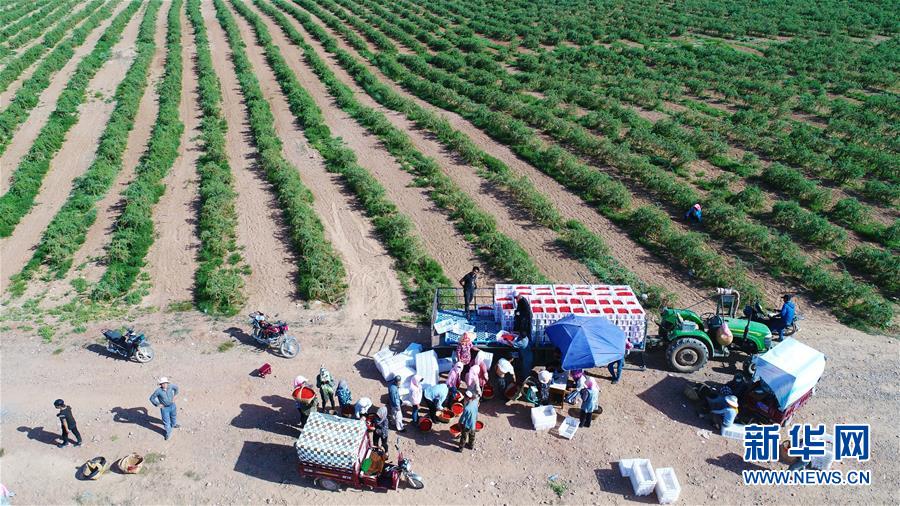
x=790, y=369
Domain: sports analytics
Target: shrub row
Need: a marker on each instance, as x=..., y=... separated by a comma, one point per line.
x=27, y=179
x=322, y=275
x=40, y=22
x=66, y=232
x=220, y=276
x=776, y=251
x=505, y=255
x=133, y=231
x=12, y=70
x=880, y=265
x=791, y=182
x=418, y=272
x=27, y=95
x=582, y=243
x=807, y=226
x=25, y=16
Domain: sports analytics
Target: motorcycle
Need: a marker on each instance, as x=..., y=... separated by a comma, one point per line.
x=131, y=345
x=773, y=319
x=273, y=335
x=404, y=467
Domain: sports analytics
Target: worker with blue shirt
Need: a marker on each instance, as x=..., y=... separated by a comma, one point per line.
x=394, y=403
x=164, y=398
x=694, y=213
x=725, y=417
x=467, y=422
x=435, y=395
x=786, y=315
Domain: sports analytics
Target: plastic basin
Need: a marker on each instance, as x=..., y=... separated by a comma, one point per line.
x=488, y=392
x=425, y=424
x=456, y=409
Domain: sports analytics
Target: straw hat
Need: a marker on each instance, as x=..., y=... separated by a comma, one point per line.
x=732, y=401
x=545, y=376
x=93, y=468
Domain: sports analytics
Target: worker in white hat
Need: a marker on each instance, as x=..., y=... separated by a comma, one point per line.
x=362, y=407
x=544, y=378
x=504, y=375
x=164, y=398
x=725, y=417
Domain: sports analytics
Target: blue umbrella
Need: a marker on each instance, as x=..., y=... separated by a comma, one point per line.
x=586, y=342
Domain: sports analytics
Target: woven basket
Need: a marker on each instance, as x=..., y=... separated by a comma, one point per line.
x=131, y=464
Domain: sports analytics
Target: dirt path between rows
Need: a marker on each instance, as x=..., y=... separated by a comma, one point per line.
x=538, y=241
x=110, y=207
x=261, y=230
x=647, y=266
x=31, y=127
x=75, y=156
x=441, y=239
x=172, y=259
x=237, y=431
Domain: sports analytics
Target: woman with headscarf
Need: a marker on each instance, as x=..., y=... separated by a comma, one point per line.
x=344, y=397
x=477, y=376
x=326, y=387
x=362, y=407
x=590, y=395
x=305, y=407
x=415, y=397
x=453, y=379
x=380, y=435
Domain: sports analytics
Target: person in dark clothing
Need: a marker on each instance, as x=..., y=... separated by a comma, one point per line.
x=66, y=423
x=380, y=435
x=469, y=282
x=522, y=317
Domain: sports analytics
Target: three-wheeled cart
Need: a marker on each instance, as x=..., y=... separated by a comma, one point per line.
x=336, y=452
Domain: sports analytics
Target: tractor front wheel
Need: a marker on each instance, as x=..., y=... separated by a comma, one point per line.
x=687, y=355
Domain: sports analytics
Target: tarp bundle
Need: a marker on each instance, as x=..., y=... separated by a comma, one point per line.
x=587, y=342
x=328, y=440
x=790, y=369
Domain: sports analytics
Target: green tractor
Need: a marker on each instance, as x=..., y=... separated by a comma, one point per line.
x=691, y=339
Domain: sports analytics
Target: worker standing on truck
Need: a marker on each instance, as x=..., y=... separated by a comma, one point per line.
x=469, y=283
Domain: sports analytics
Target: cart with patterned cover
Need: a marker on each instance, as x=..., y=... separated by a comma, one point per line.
x=336, y=451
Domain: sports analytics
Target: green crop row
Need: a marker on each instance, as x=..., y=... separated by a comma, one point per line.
x=419, y=273
x=26, y=16
x=505, y=255
x=12, y=70
x=881, y=265
x=220, y=275
x=610, y=197
x=807, y=226
x=777, y=252
x=28, y=177
x=41, y=22
x=66, y=232
x=322, y=275
x=28, y=94
x=582, y=243
x=133, y=231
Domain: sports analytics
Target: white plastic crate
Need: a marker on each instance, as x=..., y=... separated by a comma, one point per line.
x=667, y=487
x=568, y=427
x=733, y=431
x=543, y=417
x=625, y=467
x=643, y=479
x=822, y=462
x=427, y=367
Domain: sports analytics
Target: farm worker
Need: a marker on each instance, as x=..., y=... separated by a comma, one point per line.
x=522, y=317
x=615, y=367
x=453, y=379
x=66, y=423
x=380, y=435
x=326, y=387
x=435, y=395
x=544, y=378
x=477, y=376
x=395, y=403
x=465, y=347
x=343, y=395
x=304, y=407
x=505, y=376
x=725, y=416
x=415, y=396
x=694, y=213
x=467, y=422
x=590, y=395
x=164, y=398
x=362, y=407
x=5, y=495
x=786, y=315
x=469, y=282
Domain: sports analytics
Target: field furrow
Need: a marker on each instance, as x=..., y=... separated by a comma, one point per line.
x=74, y=157
x=25, y=134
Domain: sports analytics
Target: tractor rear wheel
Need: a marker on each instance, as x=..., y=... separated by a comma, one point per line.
x=687, y=354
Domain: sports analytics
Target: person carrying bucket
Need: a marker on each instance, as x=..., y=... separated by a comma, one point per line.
x=467, y=422
x=304, y=398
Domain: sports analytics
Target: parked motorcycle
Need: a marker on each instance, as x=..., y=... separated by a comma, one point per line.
x=404, y=466
x=130, y=345
x=273, y=335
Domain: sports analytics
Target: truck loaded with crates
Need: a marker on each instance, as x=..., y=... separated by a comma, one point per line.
x=491, y=319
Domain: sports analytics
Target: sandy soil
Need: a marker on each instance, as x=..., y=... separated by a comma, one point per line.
x=31, y=127
x=537, y=240
x=260, y=229
x=110, y=207
x=73, y=158
x=237, y=430
x=171, y=261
